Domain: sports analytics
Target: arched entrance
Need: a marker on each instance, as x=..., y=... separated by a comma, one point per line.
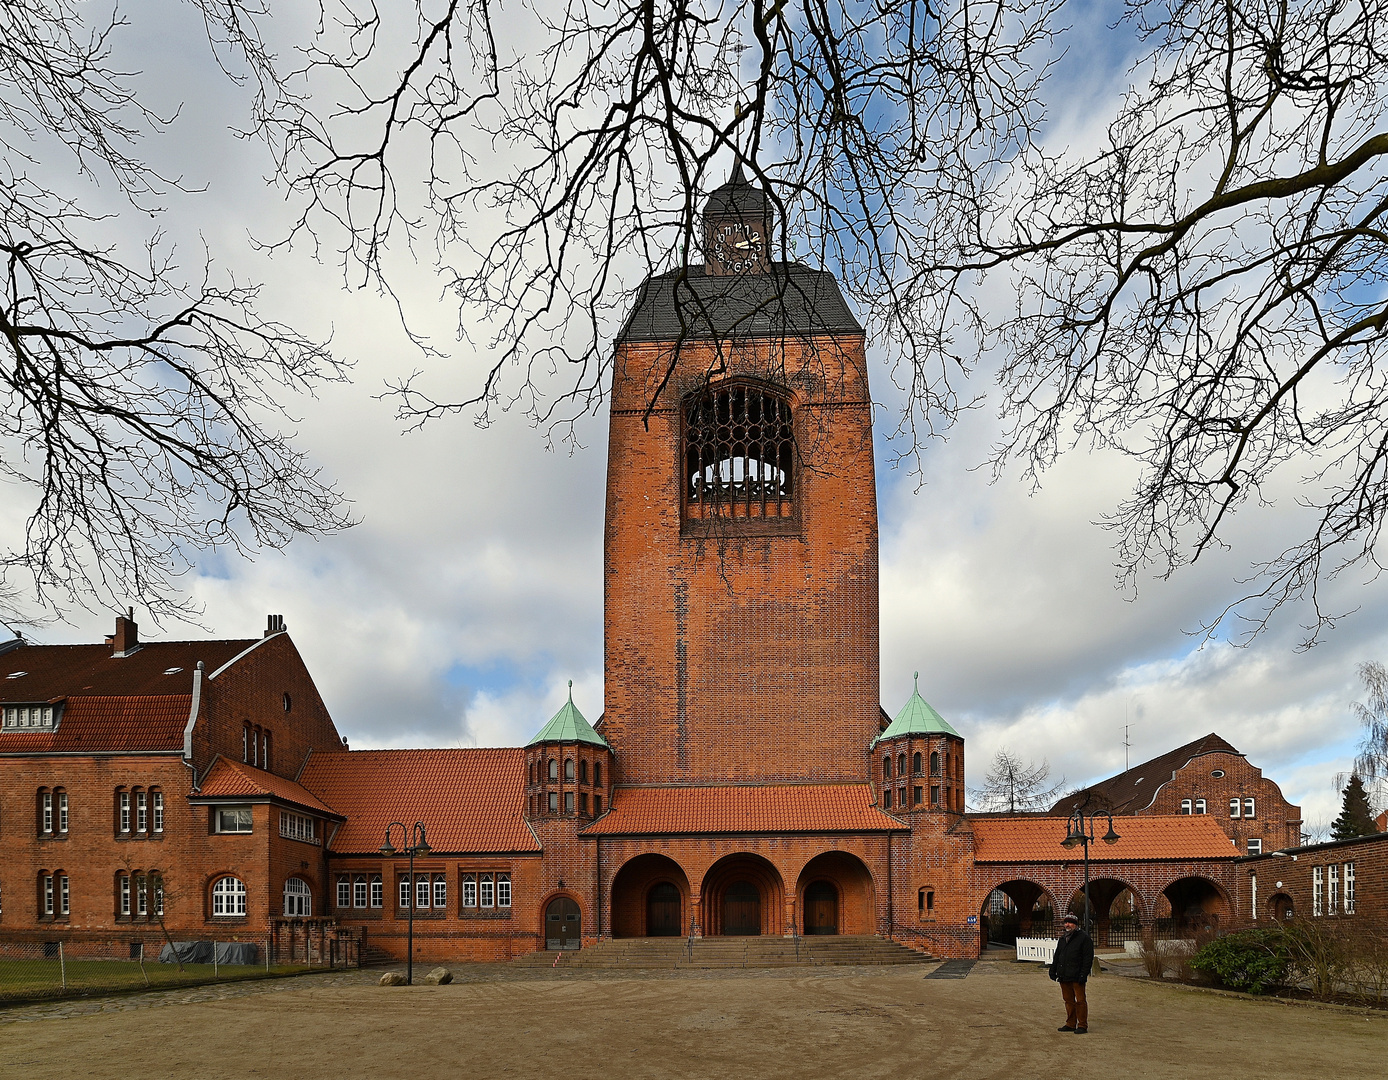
x=1115, y=910
x=650, y=898
x=742, y=894
x=663, y=910
x=835, y=895
x=1280, y=907
x=1018, y=908
x=821, y=908
x=1195, y=902
x=563, y=925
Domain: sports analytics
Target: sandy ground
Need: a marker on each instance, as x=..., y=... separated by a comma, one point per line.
x=998, y=1022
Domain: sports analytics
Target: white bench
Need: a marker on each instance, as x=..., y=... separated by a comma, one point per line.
x=1041, y=950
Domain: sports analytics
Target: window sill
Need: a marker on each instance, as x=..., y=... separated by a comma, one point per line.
x=485, y=913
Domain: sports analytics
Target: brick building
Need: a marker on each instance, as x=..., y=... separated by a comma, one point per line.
x=1340, y=880
x=1204, y=777
x=744, y=779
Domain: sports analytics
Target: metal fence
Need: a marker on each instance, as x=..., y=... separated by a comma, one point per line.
x=69, y=966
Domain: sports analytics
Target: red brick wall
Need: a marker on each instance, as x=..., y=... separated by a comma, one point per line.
x=1277, y=822
x=1291, y=875
x=732, y=656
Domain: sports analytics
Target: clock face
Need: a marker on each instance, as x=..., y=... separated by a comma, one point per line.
x=738, y=247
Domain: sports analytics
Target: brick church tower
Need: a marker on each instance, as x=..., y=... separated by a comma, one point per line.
x=741, y=532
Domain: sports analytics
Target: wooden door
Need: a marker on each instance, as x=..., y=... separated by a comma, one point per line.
x=821, y=908
x=563, y=926
x=663, y=910
x=741, y=909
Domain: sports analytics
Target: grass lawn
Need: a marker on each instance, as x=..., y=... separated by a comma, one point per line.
x=25, y=979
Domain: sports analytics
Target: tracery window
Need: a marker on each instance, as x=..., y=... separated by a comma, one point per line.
x=739, y=449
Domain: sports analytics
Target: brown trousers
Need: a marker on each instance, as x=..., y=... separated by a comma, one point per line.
x=1076, y=1007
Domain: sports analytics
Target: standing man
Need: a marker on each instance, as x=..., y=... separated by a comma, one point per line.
x=1074, y=956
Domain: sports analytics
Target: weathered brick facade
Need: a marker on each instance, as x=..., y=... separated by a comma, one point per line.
x=1284, y=885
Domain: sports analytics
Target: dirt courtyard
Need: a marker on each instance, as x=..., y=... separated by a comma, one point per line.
x=1000, y=1021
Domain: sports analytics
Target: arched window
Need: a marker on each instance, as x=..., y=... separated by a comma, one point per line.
x=553, y=769
x=887, y=767
x=568, y=768
x=934, y=763
x=901, y=765
x=1199, y=806
x=916, y=763
x=298, y=899
x=229, y=897
x=739, y=446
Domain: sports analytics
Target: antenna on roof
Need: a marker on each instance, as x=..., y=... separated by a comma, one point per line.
x=1127, y=743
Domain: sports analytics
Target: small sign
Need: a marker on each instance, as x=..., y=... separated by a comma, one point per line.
x=972, y=919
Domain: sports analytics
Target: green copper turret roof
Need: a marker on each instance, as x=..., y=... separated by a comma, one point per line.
x=568, y=725
x=916, y=718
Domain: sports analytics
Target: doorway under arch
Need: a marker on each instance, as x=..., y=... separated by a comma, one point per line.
x=1016, y=908
x=835, y=895
x=743, y=895
x=650, y=898
x=563, y=925
x=1280, y=907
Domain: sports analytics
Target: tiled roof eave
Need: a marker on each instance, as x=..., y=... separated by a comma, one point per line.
x=1113, y=860
x=863, y=831
x=89, y=753
x=439, y=853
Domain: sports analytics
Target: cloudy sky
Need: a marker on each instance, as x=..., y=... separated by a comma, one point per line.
x=470, y=592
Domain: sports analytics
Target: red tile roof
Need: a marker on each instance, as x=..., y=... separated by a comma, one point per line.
x=53, y=671
x=469, y=800
x=779, y=808
x=237, y=780
x=1037, y=839
x=108, y=724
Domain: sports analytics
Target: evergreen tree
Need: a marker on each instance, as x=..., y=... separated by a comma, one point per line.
x=1356, y=819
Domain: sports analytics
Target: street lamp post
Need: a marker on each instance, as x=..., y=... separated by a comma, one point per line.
x=418, y=845
x=1079, y=831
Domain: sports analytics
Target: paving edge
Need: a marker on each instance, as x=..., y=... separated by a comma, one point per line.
x=1266, y=999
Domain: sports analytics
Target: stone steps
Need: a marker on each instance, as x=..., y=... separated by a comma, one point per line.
x=730, y=952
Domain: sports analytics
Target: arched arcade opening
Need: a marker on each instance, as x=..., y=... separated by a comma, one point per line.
x=650, y=898
x=1014, y=909
x=1190, y=903
x=743, y=895
x=834, y=895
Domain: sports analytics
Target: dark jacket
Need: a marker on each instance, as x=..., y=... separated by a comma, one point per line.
x=1074, y=956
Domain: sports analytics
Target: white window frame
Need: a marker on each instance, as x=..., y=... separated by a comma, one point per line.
x=1235, y=805
x=157, y=797
x=125, y=894
x=378, y=891
x=1253, y=894
x=1332, y=892
x=298, y=902
x=360, y=890
x=1250, y=807
x=62, y=811
x=469, y=890
x=48, y=894
x=47, y=820
x=298, y=827
x=1255, y=845
x=245, y=745
x=141, y=812
x=228, y=898
x=404, y=892
x=157, y=886
x=421, y=892
x=1200, y=806
x=503, y=890
x=142, y=896
x=1187, y=806
x=486, y=895
x=344, y=892
x=64, y=894
x=1317, y=891
x=238, y=811
x=125, y=811
x=440, y=891
x=1349, y=888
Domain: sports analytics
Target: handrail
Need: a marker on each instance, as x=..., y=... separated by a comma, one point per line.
x=690, y=943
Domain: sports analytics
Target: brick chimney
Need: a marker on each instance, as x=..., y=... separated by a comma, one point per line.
x=127, y=637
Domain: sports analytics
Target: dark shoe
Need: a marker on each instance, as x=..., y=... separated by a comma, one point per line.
x=1081, y=1031
x=1067, y=1027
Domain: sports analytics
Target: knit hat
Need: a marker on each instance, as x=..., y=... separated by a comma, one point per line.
x=1072, y=919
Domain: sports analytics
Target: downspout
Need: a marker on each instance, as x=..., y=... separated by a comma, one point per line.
x=192, y=722
x=891, y=918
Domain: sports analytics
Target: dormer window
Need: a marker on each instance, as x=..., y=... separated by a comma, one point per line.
x=739, y=454
x=31, y=717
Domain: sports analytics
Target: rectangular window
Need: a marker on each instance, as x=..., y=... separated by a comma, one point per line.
x=421, y=891
x=62, y=894
x=1349, y=888
x=141, y=896
x=487, y=897
x=141, y=812
x=344, y=892
x=901, y=798
x=886, y=798
x=554, y=802
x=158, y=798
x=378, y=892
x=1332, y=898
x=568, y=802
x=404, y=892
x=1318, y=891
x=359, y=892
x=1186, y=806
x=934, y=794
x=234, y=819
x=62, y=811
x=1255, y=846
x=48, y=813
x=245, y=744
x=1248, y=805
x=583, y=802
x=597, y=773
x=597, y=805
x=157, y=883
x=265, y=751
x=298, y=827
x=48, y=894
x=1234, y=807
x=1253, y=895
x=917, y=795
x=1199, y=806
x=469, y=890
x=255, y=748
x=124, y=895
x=440, y=891
x=503, y=890
x=125, y=811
